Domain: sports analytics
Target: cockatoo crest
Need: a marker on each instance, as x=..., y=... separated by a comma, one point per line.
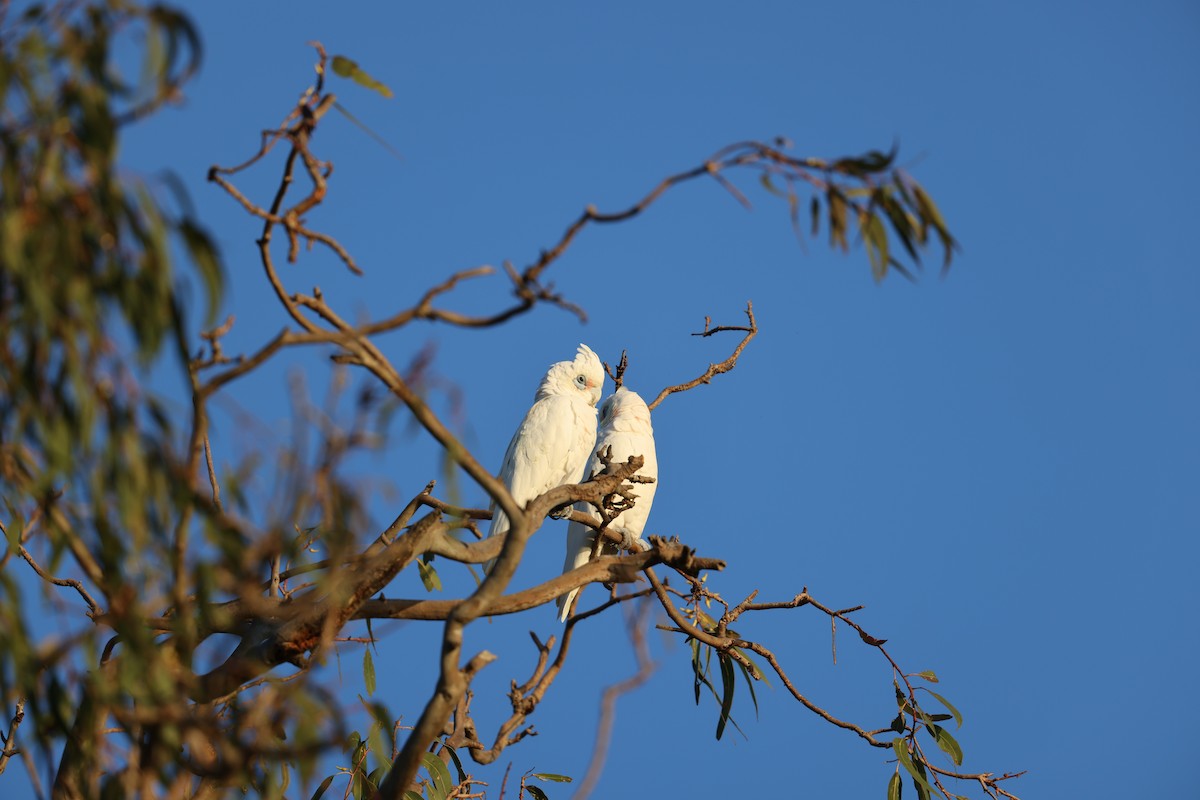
x=566, y=378
x=557, y=437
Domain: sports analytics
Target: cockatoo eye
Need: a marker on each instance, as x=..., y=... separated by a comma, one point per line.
x=581, y=380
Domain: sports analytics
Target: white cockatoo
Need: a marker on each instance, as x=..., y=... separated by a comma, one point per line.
x=625, y=426
x=553, y=442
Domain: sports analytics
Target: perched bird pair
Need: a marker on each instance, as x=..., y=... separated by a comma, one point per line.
x=558, y=439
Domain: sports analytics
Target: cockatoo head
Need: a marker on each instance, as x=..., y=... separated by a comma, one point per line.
x=625, y=411
x=582, y=377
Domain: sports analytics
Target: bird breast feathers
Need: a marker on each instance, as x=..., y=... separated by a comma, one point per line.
x=550, y=447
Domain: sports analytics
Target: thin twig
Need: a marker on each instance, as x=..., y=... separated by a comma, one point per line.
x=93, y=607
x=715, y=369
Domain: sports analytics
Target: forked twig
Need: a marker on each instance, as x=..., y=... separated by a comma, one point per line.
x=715, y=369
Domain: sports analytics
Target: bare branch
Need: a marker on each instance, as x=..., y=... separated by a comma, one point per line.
x=93, y=607
x=8, y=747
x=715, y=369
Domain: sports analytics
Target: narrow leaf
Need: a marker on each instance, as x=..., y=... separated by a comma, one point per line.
x=875, y=238
x=440, y=781
x=958, y=717
x=727, y=686
x=324, y=786
x=369, y=671
x=536, y=793
x=765, y=179
x=946, y=743
x=894, y=786
x=750, y=686
x=458, y=765
x=927, y=675
x=925, y=790
x=347, y=68
x=550, y=776
x=429, y=577
x=906, y=761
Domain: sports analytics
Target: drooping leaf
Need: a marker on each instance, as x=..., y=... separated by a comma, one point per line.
x=727, y=685
x=875, y=238
x=536, y=793
x=325, y=784
x=348, y=68
x=765, y=179
x=925, y=789
x=900, y=746
x=458, y=765
x=369, y=671
x=894, y=786
x=958, y=717
x=946, y=743
x=750, y=686
x=927, y=675
x=441, y=783
x=429, y=576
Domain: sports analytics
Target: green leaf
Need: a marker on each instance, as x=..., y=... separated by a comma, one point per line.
x=441, y=783
x=929, y=211
x=894, y=786
x=429, y=576
x=837, y=218
x=898, y=724
x=376, y=777
x=369, y=671
x=750, y=686
x=924, y=788
x=927, y=675
x=946, y=742
x=550, y=776
x=727, y=686
x=536, y=793
x=958, y=717
x=323, y=787
x=875, y=237
x=898, y=744
x=409, y=794
x=765, y=180
x=347, y=68
x=458, y=765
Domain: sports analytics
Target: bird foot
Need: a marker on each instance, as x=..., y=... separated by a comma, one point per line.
x=634, y=544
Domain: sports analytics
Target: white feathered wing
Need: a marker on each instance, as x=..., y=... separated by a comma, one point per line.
x=625, y=426
x=553, y=442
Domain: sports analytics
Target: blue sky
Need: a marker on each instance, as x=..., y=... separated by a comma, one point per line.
x=1001, y=464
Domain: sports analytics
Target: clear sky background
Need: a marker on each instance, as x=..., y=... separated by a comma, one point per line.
x=1002, y=464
